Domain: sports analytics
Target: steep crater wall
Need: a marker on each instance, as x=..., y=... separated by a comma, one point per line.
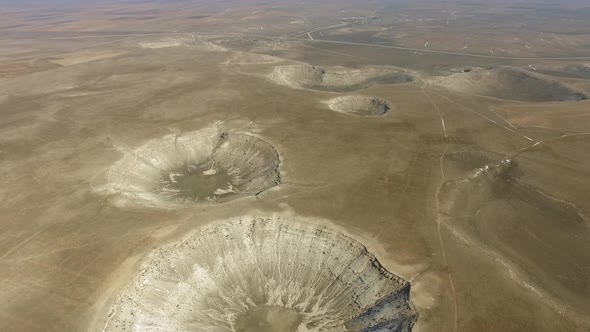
x=196, y=167
x=263, y=274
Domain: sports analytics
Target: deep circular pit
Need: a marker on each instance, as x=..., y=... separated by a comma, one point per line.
x=263, y=274
x=360, y=105
x=204, y=166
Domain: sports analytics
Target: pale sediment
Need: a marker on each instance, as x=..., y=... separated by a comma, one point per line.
x=266, y=272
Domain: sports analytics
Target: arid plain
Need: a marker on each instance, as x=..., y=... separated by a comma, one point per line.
x=327, y=166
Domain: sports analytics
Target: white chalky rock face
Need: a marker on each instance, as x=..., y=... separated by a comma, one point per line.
x=196, y=167
x=257, y=274
x=337, y=79
x=359, y=105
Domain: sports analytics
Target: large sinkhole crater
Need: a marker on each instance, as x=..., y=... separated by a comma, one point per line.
x=197, y=167
x=337, y=79
x=263, y=274
x=359, y=105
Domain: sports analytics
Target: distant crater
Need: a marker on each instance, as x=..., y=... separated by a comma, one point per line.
x=508, y=83
x=359, y=105
x=261, y=275
x=337, y=79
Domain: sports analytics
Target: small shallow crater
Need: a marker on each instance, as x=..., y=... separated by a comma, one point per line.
x=359, y=105
x=196, y=167
x=263, y=274
x=450, y=70
x=337, y=79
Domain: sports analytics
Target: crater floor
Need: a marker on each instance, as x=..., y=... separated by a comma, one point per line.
x=201, y=166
